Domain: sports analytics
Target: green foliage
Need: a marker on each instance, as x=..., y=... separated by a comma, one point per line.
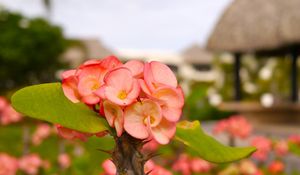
x=294, y=148
x=197, y=106
x=47, y=102
x=30, y=50
x=191, y=134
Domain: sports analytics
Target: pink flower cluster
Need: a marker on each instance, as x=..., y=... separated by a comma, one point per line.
x=295, y=139
x=276, y=167
x=235, y=126
x=7, y=113
x=30, y=164
x=150, y=167
x=187, y=165
x=42, y=132
x=143, y=99
x=265, y=146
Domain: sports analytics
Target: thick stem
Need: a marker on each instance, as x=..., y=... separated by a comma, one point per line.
x=127, y=156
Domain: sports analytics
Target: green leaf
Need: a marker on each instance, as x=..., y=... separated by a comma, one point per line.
x=191, y=134
x=47, y=102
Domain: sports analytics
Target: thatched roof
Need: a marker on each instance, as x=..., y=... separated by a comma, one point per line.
x=196, y=54
x=255, y=25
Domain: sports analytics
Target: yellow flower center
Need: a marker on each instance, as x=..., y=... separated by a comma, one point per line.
x=152, y=120
x=122, y=95
x=95, y=86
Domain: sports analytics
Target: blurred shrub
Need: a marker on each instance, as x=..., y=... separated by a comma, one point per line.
x=197, y=106
x=30, y=50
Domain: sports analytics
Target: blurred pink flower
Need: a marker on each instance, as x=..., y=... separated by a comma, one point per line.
x=30, y=164
x=276, y=167
x=294, y=139
x=7, y=113
x=247, y=167
x=236, y=126
x=200, y=166
x=109, y=167
x=3, y=103
x=42, y=131
x=154, y=169
x=263, y=145
x=151, y=146
x=64, y=160
x=8, y=164
x=281, y=148
x=182, y=165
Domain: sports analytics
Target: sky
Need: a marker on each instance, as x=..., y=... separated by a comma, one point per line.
x=166, y=25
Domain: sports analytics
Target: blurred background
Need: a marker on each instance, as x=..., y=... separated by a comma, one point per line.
x=232, y=58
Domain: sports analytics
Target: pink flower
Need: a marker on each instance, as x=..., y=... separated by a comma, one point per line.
x=114, y=116
x=145, y=100
x=42, y=132
x=248, y=168
x=80, y=85
x=151, y=146
x=8, y=164
x=276, y=167
x=281, y=148
x=154, y=169
x=235, y=126
x=9, y=115
x=30, y=164
x=143, y=120
x=64, y=160
x=120, y=87
x=263, y=145
x=70, y=134
x=294, y=139
x=200, y=166
x=109, y=167
x=164, y=89
x=3, y=103
x=136, y=67
x=182, y=165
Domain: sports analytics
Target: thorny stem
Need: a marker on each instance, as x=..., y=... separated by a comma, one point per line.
x=127, y=155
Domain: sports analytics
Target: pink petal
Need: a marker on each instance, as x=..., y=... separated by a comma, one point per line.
x=100, y=92
x=91, y=99
x=110, y=62
x=91, y=62
x=136, y=67
x=120, y=78
x=87, y=85
x=170, y=96
x=148, y=77
x=144, y=86
x=134, y=121
x=164, y=131
x=171, y=114
x=163, y=74
x=68, y=73
x=95, y=71
x=172, y=102
x=135, y=91
x=111, y=94
x=112, y=112
x=69, y=86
